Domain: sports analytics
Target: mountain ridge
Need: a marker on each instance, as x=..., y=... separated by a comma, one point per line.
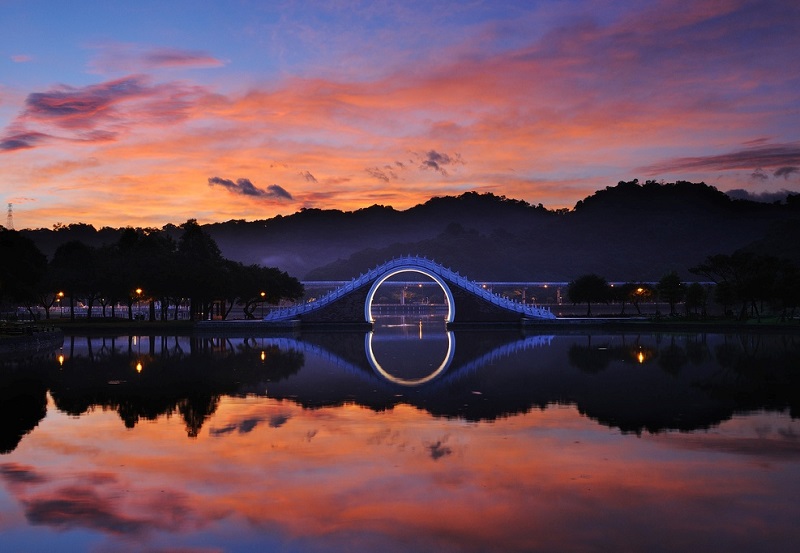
x=630, y=231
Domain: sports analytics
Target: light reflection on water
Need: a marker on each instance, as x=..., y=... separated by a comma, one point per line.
x=566, y=442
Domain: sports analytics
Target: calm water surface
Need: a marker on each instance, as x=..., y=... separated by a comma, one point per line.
x=406, y=439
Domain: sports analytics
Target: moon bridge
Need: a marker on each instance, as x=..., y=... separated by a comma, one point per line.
x=467, y=300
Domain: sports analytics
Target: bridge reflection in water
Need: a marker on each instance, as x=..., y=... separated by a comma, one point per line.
x=297, y=442
x=635, y=382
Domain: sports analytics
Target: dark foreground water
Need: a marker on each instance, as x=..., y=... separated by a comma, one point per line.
x=408, y=439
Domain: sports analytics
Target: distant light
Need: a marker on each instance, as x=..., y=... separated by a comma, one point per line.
x=139, y=367
x=61, y=359
x=639, y=290
x=263, y=355
x=139, y=291
x=640, y=357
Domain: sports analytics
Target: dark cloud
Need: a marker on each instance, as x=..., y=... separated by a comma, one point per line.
x=308, y=176
x=437, y=161
x=243, y=427
x=385, y=173
x=21, y=141
x=782, y=155
x=115, y=58
x=765, y=197
x=227, y=429
x=247, y=425
x=69, y=107
x=785, y=172
x=20, y=474
x=98, y=113
x=172, y=57
x=276, y=421
x=439, y=450
x=776, y=448
x=246, y=188
x=759, y=174
x=74, y=507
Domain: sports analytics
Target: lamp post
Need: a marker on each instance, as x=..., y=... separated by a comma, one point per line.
x=138, y=298
x=263, y=295
x=60, y=304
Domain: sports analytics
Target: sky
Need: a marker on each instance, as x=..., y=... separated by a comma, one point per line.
x=146, y=113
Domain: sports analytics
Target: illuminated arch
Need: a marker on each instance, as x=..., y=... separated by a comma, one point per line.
x=448, y=358
x=451, y=303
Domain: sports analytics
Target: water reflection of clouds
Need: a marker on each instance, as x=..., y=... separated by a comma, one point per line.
x=399, y=479
x=101, y=501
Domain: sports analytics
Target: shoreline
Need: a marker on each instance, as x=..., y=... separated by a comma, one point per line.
x=183, y=327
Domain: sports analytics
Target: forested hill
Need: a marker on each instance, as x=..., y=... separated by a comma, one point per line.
x=630, y=231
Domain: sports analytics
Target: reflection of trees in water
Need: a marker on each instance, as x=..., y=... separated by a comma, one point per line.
x=174, y=379
x=595, y=357
x=632, y=382
x=758, y=371
x=23, y=404
x=671, y=352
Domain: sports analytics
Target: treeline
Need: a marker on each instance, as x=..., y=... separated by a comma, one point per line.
x=745, y=284
x=142, y=266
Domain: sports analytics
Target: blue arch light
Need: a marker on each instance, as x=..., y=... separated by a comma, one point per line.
x=451, y=303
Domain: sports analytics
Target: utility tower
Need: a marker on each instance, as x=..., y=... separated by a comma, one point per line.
x=10, y=218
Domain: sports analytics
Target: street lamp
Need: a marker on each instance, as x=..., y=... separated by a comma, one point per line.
x=60, y=304
x=263, y=295
x=138, y=298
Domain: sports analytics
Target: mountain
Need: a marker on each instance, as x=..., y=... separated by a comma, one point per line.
x=630, y=231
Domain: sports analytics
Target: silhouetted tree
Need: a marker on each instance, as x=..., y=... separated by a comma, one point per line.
x=589, y=289
x=202, y=271
x=671, y=290
x=73, y=271
x=751, y=279
x=22, y=268
x=696, y=298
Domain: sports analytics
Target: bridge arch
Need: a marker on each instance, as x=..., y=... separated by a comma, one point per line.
x=451, y=302
x=352, y=302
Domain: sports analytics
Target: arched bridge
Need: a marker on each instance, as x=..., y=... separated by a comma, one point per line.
x=467, y=300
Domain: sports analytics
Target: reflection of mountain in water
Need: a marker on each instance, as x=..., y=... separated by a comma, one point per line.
x=632, y=382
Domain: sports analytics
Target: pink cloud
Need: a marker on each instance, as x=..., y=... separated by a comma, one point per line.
x=127, y=58
x=550, y=119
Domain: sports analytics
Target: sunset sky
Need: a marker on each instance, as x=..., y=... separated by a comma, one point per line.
x=146, y=113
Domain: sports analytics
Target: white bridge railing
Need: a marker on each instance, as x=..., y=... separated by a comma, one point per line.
x=412, y=262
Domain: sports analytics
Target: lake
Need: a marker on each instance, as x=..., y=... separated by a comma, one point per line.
x=409, y=438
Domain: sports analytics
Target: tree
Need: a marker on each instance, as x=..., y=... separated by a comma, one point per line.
x=73, y=267
x=22, y=268
x=747, y=277
x=632, y=292
x=589, y=288
x=202, y=274
x=641, y=293
x=696, y=298
x=670, y=289
x=254, y=284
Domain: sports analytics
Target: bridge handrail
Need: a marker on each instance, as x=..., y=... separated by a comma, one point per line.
x=284, y=313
